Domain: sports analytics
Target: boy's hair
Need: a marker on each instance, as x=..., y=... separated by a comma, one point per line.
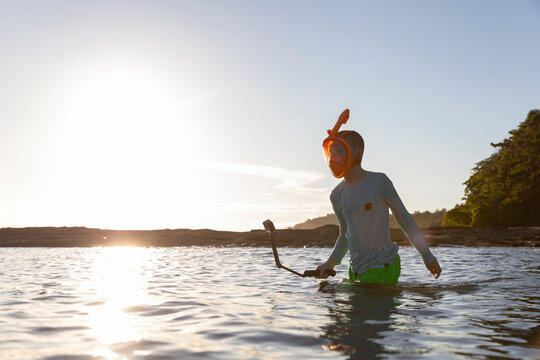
x=354, y=140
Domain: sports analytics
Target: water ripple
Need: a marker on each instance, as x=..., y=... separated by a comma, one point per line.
x=233, y=303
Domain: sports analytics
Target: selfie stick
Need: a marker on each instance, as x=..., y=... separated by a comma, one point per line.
x=269, y=226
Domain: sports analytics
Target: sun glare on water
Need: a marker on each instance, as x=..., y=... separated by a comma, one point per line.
x=118, y=283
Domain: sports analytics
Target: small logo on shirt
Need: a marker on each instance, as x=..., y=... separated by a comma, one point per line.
x=367, y=206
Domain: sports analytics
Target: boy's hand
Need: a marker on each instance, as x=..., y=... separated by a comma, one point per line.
x=434, y=268
x=328, y=265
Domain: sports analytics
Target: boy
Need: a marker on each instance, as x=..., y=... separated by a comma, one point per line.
x=361, y=205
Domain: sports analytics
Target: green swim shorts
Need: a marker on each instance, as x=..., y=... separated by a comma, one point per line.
x=385, y=275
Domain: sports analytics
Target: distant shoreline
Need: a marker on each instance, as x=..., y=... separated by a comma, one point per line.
x=323, y=236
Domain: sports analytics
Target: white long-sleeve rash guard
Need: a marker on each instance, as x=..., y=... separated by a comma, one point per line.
x=362, y=213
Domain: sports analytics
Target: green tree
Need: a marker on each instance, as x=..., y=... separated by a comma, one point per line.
x=504, y=189
x=458, y=216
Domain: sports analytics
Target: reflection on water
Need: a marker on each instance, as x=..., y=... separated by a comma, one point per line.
x=360, y=316
x=233, y=303
x=117, y=278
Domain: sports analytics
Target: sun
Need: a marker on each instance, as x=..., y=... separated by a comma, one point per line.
x=114, y=139
x=119, y=106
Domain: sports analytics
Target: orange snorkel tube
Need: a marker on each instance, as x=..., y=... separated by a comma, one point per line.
x=332, y=137
x=342, y=119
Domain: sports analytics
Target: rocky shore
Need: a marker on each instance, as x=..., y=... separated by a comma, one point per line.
x=323, y=236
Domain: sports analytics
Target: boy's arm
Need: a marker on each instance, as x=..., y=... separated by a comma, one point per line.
x=340, y=248
x=409, y=227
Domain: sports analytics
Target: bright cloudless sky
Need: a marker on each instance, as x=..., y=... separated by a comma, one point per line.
x=211, y=114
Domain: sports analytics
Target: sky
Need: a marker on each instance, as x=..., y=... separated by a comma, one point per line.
x=211, y=114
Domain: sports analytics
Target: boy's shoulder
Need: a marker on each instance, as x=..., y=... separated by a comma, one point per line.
x=373, y=178
x=379, y=176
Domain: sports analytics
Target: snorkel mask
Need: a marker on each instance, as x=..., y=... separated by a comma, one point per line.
x=337, y=151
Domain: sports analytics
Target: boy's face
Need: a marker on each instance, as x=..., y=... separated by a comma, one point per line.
x=338, y=152
x=337, y=157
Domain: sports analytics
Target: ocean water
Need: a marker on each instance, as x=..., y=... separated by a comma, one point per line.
x=233, y=303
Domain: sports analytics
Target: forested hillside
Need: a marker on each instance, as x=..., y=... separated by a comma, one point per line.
x=504, y=189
